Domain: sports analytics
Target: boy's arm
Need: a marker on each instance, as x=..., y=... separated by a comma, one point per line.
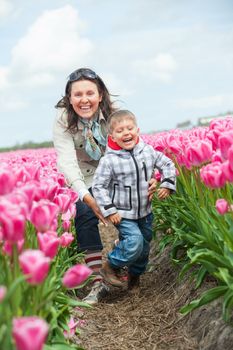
x=167, y=170
x=100, y=187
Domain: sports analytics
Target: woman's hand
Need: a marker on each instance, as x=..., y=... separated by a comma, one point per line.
x=114, y=218
x=152, y=188
x=91, y=202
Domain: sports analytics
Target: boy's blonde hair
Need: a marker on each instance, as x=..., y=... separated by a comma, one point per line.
x=118, y=116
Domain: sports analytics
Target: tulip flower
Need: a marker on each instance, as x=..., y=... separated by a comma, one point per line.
x=212, y=175
x=222, y=206
x=48, y=243
x=8, y=247
x=43, y=214
x=29, y=333
x=66, y=225
x=66, y=239
x=76, y=275
x=230, y=157
x=3, y=291
x=72, y=325
x=225, y=142
x=35, y=264
x=63, y=201
x=227, y=169
x=12, y=222
x=199, y=152
x=7, y=181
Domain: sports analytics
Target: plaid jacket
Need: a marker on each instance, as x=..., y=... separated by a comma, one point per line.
x=120, y=182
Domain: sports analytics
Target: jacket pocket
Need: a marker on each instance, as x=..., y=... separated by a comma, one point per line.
x=122, y=197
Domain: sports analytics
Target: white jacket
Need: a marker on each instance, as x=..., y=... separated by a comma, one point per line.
x=72, y=160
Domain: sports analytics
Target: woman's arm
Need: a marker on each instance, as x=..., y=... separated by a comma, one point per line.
x=66, y=155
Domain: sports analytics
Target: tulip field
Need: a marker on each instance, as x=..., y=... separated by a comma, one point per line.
x=38, y=259
x=40, y=267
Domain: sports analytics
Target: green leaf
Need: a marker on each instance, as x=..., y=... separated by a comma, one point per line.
x=227, y=305
x=206, y=298
x=200, y=276
x=61, y=346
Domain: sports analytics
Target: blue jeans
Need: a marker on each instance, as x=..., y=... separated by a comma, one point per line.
x=134, y=245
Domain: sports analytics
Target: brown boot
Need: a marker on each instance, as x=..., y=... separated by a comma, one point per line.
x=133, y=282
x=110, y=275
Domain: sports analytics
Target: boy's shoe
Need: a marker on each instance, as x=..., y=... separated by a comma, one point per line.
x=133, y=282
x=111, y=276
x=97, y=293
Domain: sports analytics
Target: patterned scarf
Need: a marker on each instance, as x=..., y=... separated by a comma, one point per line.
x=92, y=133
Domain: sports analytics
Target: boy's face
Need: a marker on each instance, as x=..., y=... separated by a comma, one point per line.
x=125, y=133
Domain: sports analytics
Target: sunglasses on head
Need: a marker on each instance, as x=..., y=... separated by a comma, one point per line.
x=84, y=73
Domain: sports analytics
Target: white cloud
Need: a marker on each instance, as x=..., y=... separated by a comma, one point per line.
x=52, y=44
x=5, y=8
x=3, y=78
x=159, y=68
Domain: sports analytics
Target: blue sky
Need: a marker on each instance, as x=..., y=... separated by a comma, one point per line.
x=168, y=61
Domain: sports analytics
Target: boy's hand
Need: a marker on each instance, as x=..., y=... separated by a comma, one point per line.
x=152, y=188
x=163, y=193
x=115, y=219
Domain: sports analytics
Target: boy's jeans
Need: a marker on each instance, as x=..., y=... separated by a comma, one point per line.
x=134, y=245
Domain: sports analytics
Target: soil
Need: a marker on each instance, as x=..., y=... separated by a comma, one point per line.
x=150, y=319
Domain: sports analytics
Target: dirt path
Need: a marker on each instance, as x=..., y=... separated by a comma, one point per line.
x=149, y=320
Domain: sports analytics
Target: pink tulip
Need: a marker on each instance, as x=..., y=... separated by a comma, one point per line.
x=76, y=275
x=43, y=214
x=35, y=264
x=72, y=325
x=225, y=142
x=8, y=247
x=29, y=333
x=19, y=198
x=66, y=225
x=1, y=235
x=199, y=152
x=3, y=291
x=33, y=171
x=216, y=156
x=222, y=206
x=29, y=189
x=212, y=175
x=66, y=239
x=227, y=170
x=48, y=243
x=47, y=190
x=63, y=201
x=7, y=181
x=230, y=157
x=12, y=222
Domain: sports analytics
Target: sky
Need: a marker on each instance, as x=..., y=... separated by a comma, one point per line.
x=166, y=61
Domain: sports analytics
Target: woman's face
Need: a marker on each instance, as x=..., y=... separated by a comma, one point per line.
x=85, y=98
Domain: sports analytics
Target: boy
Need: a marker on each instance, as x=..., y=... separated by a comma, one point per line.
x=120, y=187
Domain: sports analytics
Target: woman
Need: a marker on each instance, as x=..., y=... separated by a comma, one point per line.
x=80, y=136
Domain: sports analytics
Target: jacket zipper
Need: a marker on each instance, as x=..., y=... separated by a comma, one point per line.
x=144, y=168
x=137, y=173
